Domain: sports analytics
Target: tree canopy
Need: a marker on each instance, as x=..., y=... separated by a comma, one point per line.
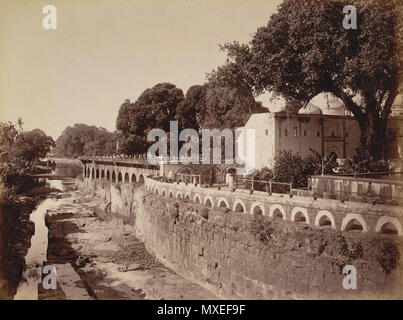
x=153, y=109
x=19, y=153
x=85, y=140
x=205, y=106
x=304, y=50
x=32, y=145
x=8, y=132
x=215, y=106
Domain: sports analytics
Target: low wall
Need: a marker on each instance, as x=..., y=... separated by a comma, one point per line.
x=387, y=191
x=339, y=215
x=239, y=255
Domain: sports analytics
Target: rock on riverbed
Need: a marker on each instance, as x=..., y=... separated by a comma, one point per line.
x=99, y=257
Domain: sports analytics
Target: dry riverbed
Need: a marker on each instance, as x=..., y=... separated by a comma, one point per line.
x=98, y=257
x=16, y=231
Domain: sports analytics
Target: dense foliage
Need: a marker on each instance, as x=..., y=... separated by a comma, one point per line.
x=213, y=106
x=304, y=51
x=204, y=106
x=22, y=149
x=375, y=250
x=81, y=140
x=30, y=146
x=8, y=132
x=153, y=109
x=20, y=152
x=291, y=167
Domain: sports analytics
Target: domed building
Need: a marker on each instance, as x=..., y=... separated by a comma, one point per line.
x=397, y=107
x=334, y=106
x=324, y=125
x=310, y=109
x=328, y=104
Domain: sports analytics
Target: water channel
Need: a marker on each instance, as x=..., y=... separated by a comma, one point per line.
x=36, y=255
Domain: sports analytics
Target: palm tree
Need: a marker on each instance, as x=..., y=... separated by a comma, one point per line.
x=20, y=123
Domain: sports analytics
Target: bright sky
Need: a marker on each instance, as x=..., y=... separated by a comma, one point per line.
x=104, y=51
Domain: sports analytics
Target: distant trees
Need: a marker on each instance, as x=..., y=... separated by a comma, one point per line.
x=304, y=51
x=82, y=140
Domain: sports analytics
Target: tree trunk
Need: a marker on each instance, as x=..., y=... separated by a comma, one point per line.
x=373, y=136
x=372, y=121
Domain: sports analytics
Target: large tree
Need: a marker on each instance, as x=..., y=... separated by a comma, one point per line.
x=214, y=106
x=32, y=145
x=190, y=111
x=205, y=106
x=82, y=139
x=153, y=109
x=304, y=50
x=19, y=154
x=8, y=132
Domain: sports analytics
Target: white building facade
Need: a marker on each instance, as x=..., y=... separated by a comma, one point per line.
x=266, y=134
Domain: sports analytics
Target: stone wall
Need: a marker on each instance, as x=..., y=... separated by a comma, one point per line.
x=341, y=215
x=239, y=255
x=381, y=191
x=16, y=230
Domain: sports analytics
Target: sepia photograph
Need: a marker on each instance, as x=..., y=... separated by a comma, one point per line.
x=202, y=154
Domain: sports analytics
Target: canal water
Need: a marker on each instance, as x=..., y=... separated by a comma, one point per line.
x=36, y=255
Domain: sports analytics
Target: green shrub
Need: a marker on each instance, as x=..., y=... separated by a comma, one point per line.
x=387, y=254
x=204, y=213
x=291, y=167
x=261, y=229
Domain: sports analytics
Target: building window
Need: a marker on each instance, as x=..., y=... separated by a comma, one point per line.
x=346, y=134
x=318, y=134
x=332, y=133
x=295, y=131
x=304, y=133
x=285, y=132
x=267, y=132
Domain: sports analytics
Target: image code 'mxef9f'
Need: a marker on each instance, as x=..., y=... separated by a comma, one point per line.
x=201, y=150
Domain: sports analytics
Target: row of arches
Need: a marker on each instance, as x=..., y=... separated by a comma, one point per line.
x=215, y=173
x=112, y=176
x=323, y=219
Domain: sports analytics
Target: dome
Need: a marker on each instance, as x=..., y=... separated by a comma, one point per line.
x=334, y=106
x=397, y=107
x=398, y=103
x=310, y=109
x=335, y=103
